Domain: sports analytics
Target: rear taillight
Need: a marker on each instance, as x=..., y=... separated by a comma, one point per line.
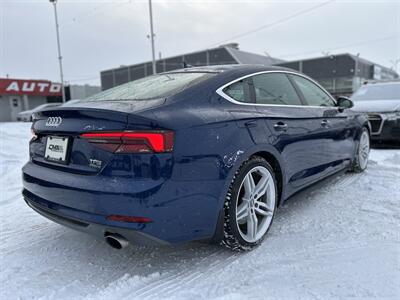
x=34, y=136
x=132, y=141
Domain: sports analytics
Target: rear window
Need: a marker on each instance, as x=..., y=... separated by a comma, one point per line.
x=152, y=87
x=377, y=92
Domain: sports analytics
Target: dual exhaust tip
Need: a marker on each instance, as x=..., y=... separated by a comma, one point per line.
x=116, y=240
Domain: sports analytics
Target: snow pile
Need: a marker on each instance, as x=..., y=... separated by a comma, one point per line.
x=339, y=239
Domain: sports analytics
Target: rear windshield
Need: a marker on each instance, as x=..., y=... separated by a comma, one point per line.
x=152, y=87
x=377, y=92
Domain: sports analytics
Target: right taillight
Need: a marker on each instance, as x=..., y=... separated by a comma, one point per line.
x=133, y=141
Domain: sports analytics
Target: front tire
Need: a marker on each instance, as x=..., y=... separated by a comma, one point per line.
x=362, y=154
x=250, y=205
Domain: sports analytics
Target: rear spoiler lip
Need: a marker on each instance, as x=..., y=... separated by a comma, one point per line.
x=93, y=119
x=123, y=106
x=63, y=112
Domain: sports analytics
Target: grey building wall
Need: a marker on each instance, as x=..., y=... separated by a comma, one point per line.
x=83, y=91
x=5, y=109
x=224, y=55
x=340, y=74
x=11, y=105
x=34, y=101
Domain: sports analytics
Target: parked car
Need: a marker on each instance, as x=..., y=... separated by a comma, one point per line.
x=381, y=101
x=26, y=116
x=196, y=154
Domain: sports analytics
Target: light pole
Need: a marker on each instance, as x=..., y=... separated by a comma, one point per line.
x=59, y=50
x=152, y=39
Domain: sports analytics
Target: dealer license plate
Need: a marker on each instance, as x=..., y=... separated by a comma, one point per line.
x=56, y=149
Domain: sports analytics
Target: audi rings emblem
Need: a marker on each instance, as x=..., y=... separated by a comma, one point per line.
x=53, y=121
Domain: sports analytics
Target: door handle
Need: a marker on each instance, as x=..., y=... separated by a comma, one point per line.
x=280, y=126
x=324, y=123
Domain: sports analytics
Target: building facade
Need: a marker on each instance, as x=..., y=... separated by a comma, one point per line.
x=17, y=95
x=341, y=74
x=75, y=91
x=223, y=55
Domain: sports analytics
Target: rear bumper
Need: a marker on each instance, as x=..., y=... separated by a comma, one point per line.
x=181, y=210
x=100, y=230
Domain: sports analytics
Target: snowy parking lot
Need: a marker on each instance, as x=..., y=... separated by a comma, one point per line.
x=338, y=239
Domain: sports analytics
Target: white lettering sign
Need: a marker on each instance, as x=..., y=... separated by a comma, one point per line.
x=28, y=86
x=55, y=88
x=42, y=86
x=13, y=87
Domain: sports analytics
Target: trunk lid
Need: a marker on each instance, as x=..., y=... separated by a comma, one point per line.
x=61, y=128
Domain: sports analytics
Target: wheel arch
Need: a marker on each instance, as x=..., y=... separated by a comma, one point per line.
x=363, y=121
x=364, y=124
x=272, y=156
x=367, y=125
x=273, y=161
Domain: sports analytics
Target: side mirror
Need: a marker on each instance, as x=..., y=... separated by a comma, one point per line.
x=344, y=103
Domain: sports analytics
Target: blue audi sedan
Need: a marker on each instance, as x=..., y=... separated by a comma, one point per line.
x=205, y=153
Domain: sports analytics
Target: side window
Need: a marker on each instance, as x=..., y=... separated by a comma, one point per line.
x=238, y=91
x=275, y=88
x=313, y=94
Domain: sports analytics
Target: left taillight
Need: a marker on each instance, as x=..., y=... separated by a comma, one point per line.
x=132, y=141
x=34, y=136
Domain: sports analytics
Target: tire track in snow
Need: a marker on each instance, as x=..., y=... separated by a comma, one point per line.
x=217, y=266
x=123, y=285
x=187, y=277
x=42, y=232
x=165, y=285
x=166, y=281
x=346, y=180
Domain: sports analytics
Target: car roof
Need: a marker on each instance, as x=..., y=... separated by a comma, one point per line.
x=227, y=73
x=232, y=67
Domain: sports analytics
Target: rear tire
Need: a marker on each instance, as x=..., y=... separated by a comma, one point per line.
x=250, y=205
x=361, y=157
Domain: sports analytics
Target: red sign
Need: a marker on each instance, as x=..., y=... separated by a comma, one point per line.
x=29, y=87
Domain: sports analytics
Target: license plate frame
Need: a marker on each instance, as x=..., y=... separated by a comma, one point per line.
x=57, y=149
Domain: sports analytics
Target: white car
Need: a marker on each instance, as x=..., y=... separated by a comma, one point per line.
x=26, y=116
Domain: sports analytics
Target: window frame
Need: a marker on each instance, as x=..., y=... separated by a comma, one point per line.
x=220, y=91
x=304, y=100
x=248, y=87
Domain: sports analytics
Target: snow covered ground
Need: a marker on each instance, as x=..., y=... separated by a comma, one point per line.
x=339, y=239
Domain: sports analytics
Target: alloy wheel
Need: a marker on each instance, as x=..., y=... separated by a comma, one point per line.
x=255, y=204
x=363, y=150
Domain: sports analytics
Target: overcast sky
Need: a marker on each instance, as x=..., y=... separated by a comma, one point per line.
x=98, y=35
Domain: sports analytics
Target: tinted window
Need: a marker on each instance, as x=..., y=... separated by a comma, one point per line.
x=377, y=92
x=238, y=91
x=156, y=86
x=275, y=88
x=312, y=93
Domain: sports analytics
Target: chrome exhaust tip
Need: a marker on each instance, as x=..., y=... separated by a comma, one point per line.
x=116, y=241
